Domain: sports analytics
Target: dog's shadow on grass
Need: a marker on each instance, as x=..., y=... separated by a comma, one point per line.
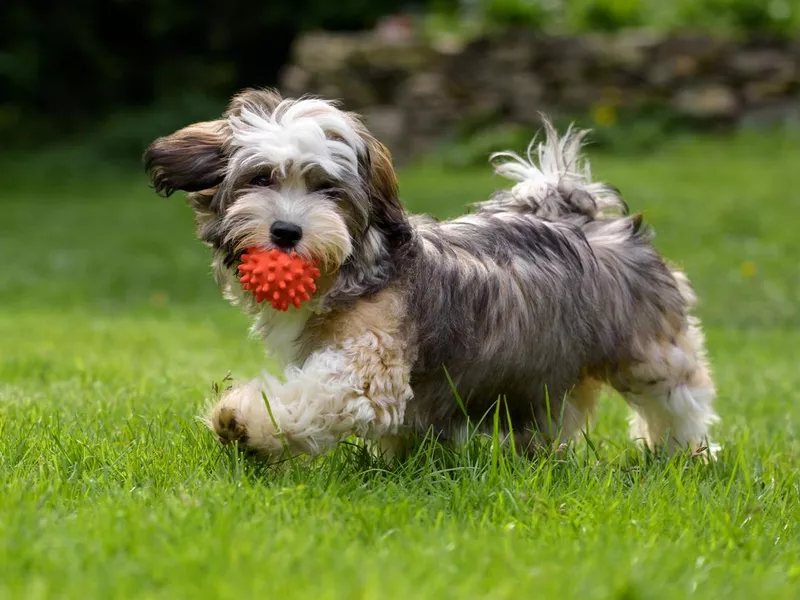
x=488, y=454
x=433, y=464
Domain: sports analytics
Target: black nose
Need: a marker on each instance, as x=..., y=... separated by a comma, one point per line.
x=285, y=235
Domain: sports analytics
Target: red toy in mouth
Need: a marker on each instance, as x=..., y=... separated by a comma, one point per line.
x=278, y=277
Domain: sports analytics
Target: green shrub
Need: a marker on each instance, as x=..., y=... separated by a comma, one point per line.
x=605, y=15
x=532, y=14
x=741, y=17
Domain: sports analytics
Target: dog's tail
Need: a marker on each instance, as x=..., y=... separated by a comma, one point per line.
x=555, y=184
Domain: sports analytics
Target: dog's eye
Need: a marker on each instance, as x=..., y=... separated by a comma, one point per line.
x=261, y=181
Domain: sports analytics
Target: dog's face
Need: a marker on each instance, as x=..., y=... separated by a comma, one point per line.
x=299, y=175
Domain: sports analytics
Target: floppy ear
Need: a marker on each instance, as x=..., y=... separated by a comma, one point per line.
x=381, y=175
x=192, y=159
x=387, y=213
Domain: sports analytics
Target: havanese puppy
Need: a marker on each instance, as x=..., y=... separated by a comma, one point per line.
x=541, y=296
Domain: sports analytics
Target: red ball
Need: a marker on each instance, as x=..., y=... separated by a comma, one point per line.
x=278, y=277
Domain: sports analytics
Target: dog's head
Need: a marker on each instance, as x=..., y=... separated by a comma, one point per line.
x=296, y=174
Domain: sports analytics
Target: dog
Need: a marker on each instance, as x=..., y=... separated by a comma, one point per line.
x=539, y=297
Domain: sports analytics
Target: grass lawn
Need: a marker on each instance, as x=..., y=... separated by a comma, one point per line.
x=112, y=332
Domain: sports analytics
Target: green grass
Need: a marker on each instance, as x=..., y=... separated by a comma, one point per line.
x=111, y=334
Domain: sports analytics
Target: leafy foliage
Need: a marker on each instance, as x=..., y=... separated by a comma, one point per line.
x=75, y=61
x=737, y=17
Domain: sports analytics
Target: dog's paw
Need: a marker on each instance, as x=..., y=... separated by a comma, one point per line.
x=241, y=416
x=229, y=426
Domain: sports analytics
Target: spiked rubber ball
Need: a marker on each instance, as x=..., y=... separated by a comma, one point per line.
x=278, y=277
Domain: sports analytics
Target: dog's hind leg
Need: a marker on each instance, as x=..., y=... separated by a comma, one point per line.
x=671, y=392
x=581, y=406
x=575, y=416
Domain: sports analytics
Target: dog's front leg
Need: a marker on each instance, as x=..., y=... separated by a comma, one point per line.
x=359, y=387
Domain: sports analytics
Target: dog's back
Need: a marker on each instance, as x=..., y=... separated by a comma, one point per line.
x=545, y=288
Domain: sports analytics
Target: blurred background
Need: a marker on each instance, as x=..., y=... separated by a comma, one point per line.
x=430, y=75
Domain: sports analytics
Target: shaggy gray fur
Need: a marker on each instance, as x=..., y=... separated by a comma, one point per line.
x=543, y=285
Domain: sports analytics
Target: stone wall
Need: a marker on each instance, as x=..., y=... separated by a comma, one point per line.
x=415, y=95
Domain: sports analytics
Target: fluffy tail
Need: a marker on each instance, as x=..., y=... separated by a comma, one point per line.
x=557, y=184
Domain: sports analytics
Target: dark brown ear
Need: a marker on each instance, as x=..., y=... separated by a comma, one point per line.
x=378, y=171
x=382, y=180
x=192, y=159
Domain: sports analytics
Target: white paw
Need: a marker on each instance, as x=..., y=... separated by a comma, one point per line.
x=242, y=416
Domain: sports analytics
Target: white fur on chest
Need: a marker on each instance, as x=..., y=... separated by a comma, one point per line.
x=280, y=332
